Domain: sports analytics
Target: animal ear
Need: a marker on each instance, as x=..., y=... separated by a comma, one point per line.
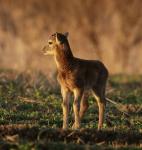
x=66, y=34
x=57, y=38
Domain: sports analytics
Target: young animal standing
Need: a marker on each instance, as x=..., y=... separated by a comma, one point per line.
x=77, y=76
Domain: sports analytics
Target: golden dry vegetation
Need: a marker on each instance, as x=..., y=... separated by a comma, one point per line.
x=109, y=30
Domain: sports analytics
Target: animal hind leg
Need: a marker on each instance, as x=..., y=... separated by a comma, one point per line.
x=101, y=101
x=83, y=105
x=76, y=108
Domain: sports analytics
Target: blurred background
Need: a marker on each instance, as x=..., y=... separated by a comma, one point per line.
x=108, y=30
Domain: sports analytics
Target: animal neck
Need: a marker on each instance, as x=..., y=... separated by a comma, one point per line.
x=64, y=58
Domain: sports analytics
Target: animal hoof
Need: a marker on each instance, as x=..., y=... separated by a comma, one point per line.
x=99, y=128
x=65, y=128
x=75, y=127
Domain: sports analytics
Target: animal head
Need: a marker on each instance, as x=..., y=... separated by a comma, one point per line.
x=54, y=41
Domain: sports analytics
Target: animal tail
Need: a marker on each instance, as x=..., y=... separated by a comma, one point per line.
x=119, y=106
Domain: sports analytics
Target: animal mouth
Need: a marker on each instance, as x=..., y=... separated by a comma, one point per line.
x=44, y=50
x=47, y=51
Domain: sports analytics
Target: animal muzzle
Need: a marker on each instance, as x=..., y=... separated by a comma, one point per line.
x=44, y=50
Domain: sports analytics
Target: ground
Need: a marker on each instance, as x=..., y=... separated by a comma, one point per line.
x=31, y=115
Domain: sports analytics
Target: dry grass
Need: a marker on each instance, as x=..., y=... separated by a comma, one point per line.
x=108, y=30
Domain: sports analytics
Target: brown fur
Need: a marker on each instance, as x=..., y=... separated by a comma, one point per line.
x=77, y=76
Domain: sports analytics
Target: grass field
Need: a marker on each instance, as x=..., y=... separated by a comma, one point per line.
x=31, y=115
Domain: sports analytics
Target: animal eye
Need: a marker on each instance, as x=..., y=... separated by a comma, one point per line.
x=50, y=43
